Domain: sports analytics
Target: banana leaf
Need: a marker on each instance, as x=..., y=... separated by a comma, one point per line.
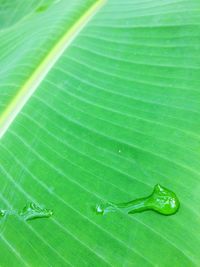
x=99, y=101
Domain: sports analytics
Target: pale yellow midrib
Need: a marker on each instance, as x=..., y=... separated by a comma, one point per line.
x=30, y=86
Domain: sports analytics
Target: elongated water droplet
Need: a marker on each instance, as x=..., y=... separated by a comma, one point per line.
x=31, y=211
x=162, y=200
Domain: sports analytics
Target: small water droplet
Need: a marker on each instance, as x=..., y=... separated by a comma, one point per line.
x=99, y=209
x=105, y=208
x=2, y=213
x=31, y=211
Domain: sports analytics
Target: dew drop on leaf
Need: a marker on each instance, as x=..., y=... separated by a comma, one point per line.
x=162, y=200
x=2, y=213
x=32, y=211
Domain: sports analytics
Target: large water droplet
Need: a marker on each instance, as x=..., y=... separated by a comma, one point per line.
x=162, y=200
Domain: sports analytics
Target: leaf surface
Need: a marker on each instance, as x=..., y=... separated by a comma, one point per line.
x=100, y=117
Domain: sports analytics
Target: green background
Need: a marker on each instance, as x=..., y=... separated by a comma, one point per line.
x=118, y=113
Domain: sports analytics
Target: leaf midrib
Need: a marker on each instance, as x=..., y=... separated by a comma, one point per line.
x=32, y=83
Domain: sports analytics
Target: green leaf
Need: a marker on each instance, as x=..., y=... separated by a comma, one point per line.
x=101, y=117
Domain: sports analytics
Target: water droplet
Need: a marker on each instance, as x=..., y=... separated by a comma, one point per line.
x=162, y=200
x=2, y=213
x=99, y=209
x=105, y=208
x=31, y=211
